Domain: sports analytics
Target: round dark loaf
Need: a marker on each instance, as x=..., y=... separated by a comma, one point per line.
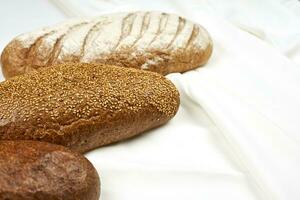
x=31, y=170
x=84, y=106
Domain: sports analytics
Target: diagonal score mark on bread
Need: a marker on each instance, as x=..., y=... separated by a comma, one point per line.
x=58, y=47
x=34, y=47
x=94, y=30
x=163, y=20
x=127, y=24
x=144, y=27
x=180, y=27
x=193, y=36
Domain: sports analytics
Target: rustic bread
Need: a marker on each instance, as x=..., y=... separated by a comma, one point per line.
x=84, y=106
x=31, y=170
x=154, y=41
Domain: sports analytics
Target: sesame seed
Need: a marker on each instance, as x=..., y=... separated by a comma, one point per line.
x=69, y=92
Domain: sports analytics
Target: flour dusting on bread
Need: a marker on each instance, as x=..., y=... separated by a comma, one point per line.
x=154, y=41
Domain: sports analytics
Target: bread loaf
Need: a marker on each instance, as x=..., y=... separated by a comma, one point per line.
x=31, y=170
x=84, y=106
x=154, y=41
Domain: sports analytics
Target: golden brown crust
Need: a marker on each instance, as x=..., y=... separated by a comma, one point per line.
x=32, y=170
x=13, y=59
x=13, y=62
x=181, y=60
x=172, y=44
x=84, y=106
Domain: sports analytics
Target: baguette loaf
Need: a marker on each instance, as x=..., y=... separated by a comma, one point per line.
x=31, y=170
x=84, y=106
x=154, y=41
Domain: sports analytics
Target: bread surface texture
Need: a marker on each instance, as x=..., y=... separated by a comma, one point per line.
x=84, y=106
x=31, y=170
x=153, y=41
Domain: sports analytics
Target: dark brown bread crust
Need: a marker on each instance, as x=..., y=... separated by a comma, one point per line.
x=31, y=170
x=84, y=106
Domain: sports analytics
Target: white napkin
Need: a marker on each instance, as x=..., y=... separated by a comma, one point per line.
x=247, y=88
x=236, y=133
x=275, y=21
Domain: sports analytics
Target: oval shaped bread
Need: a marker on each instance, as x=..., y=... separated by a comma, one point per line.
x=84, y=106
x=31, y=170
x=154, y=41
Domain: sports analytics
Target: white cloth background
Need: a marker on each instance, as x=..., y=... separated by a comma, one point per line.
x=236, y=135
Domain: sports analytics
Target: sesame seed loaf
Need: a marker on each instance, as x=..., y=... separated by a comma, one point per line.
x=84, y=106
x=153, y=41
x=31, y=170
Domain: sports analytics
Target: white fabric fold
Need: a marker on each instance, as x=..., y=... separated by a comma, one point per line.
x=274, y=21
x=248, y=93
x=236, y=135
